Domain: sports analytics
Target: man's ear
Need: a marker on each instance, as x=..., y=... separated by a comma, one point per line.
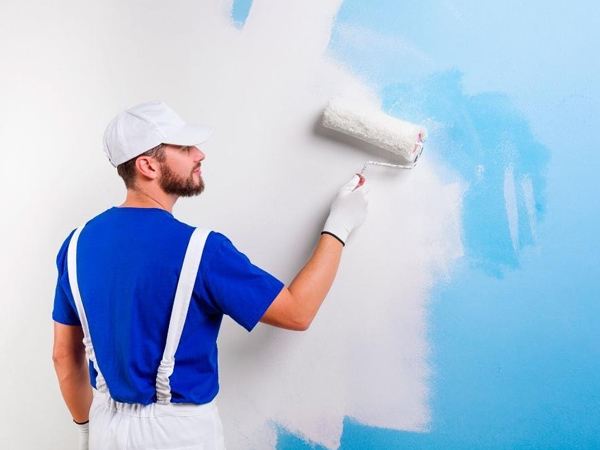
x=147, y=167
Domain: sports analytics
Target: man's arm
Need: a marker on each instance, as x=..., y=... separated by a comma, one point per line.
x=71, y=365
x=296, y=306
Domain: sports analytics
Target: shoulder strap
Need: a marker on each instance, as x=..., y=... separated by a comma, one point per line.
x=183, y=295
x=87, y=340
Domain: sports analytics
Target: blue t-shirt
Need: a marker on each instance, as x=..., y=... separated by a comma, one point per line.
x=128, y=265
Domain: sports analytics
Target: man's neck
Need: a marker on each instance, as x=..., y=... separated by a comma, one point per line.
x=140, y=199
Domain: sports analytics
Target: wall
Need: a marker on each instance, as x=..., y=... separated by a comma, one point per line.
x=463, y=313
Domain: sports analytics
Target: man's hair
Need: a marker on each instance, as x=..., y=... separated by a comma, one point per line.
x=127, y=170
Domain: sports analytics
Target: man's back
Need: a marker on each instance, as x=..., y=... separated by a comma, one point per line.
x=128, y=265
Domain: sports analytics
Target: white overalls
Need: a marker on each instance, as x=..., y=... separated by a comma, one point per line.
x=162, y=425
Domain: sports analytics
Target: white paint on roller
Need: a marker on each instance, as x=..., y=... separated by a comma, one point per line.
x=270, y=181
x=528, y=195
x=375, y=127
x=512, y=211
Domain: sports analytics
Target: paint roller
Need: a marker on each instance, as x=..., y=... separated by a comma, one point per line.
x=377, y=128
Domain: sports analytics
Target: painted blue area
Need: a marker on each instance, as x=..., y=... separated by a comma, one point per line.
x=240, y=11
x=482, y=137
x=514, y=335
x=287, y=440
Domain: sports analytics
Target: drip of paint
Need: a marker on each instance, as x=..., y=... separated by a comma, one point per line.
x=240, y=11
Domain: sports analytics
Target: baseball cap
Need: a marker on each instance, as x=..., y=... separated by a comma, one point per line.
x=142, y=127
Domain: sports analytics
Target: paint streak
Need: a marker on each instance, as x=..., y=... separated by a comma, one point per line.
x=240, y=12
x=510, y=199
x=529, y=198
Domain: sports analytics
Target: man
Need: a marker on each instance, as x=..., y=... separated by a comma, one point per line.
x=140, y=296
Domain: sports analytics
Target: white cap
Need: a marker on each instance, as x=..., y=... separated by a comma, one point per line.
x=140, y=128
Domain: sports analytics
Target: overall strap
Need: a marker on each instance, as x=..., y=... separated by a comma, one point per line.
x=87, y=340
x=183, y=295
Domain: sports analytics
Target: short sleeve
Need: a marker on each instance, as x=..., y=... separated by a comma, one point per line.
x=64, y=309
x=237, y=287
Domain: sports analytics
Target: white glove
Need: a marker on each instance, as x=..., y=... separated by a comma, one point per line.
x=349, y=209
x=84, y=435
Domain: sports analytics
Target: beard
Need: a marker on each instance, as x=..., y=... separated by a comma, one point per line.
x=172, y=183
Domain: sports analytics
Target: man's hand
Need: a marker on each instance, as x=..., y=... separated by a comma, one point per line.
x=84, y=435
x=349, y=209
x=295, y=307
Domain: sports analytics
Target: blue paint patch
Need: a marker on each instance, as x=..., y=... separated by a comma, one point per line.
x=483, y=137
x=240, y=12
x=287, y=441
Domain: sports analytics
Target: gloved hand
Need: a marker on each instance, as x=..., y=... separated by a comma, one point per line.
x=349, y=209
x=84, y=435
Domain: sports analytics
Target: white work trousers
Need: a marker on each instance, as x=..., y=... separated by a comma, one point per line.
x=122, y=426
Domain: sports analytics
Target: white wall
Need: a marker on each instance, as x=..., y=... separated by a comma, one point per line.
x=271, y=173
